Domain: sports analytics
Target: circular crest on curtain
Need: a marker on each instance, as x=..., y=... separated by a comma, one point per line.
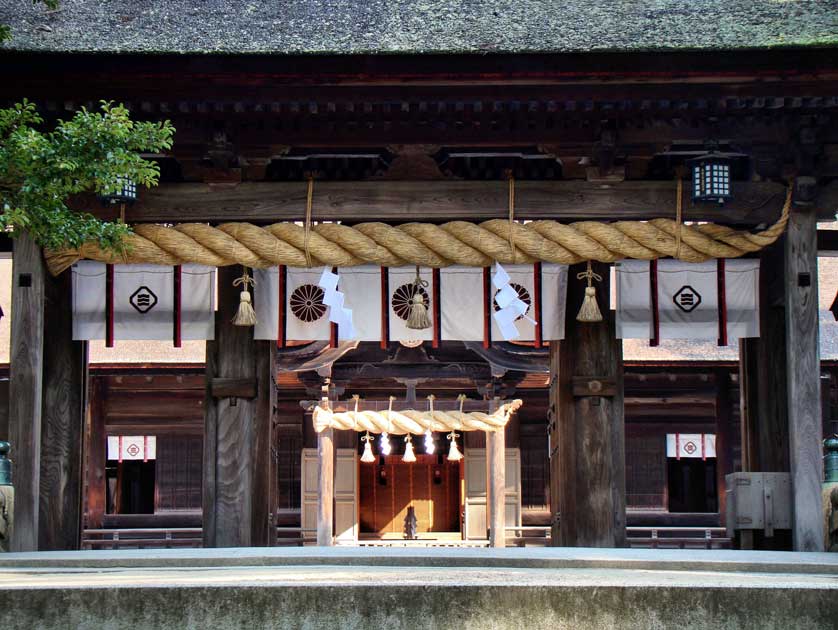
x=307, y=303
x=402, y=297
x=523, y=295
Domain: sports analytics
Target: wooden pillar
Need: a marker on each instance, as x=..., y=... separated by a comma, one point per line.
x=724, y=439
x=555, y=473
x=96, y=445
x=64, y=400
x=762, y=374
x=803, y=374
x=587, y=376
x=237, y=429
x=326, y=487
x=496, y=487
x=26, y=387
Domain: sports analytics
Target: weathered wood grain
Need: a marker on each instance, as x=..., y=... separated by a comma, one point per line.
x=724, y=438
x=64, y=389
x=4, y=410
x=96, y=453
x=752, y=203
x=803, y=379
x=496, y=486
x=26, y=381
x=591, y=428
x=764, y=395
x=326, y=488
x=263, y=471
x=234, y=432
x=554, y=439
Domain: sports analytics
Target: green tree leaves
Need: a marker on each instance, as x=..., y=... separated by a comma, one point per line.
x=39, y=171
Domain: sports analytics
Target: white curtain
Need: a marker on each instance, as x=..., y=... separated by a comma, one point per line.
x=688, y=300
x=132, y=447
x=462, y=302
x=680, y=445
x=143, y=301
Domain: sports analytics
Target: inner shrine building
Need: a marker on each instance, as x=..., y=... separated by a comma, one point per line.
x=560, y=284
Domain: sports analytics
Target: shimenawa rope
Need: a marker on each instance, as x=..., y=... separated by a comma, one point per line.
x=425, y=244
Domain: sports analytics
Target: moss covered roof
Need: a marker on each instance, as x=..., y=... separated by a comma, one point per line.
x=417, y=26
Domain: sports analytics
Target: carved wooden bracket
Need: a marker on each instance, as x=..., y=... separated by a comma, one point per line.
x=594, y=386
x=233, y=388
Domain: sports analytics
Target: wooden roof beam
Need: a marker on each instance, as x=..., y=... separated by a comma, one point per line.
x=398, y=201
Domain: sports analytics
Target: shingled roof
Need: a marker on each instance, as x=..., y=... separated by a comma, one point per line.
x=417, y=26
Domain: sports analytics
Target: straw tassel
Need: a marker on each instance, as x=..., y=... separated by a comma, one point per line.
x=417, y=317
x=245, y=316
x=409, y=454
x=368, y=456
x=589, y=311
x=454, y=454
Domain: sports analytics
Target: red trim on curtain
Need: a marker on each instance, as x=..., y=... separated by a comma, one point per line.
x=677, y=446
x=656, y=320
x=487, y=307
x=536, y=302
x=177, y=312
x=385, y=308
x=437, y=306
x=109, y=279
x=280, y=307
x=722, y=301
x=145, y=448
x=334, y=335
x=703, y=453
x=120, y=449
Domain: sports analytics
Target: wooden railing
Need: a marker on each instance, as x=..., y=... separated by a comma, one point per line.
x=520, y=536
x=678, y=537
x=142, y=538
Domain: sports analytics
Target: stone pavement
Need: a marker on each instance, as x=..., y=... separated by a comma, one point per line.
x=419, y=588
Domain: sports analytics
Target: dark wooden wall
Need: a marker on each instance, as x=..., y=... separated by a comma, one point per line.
x=165, y=402
x=659, y=399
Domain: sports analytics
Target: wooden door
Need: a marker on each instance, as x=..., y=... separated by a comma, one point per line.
x=346, y=493
x=430, y=487
x=309, y=480
x=476, y=511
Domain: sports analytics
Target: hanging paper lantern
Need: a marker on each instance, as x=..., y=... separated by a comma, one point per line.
x=367, y=457
x=430, y=447
x=409, y=455
x=454, y=454
x=385, y=444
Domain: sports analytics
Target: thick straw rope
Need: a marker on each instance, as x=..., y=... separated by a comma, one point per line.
x=413, y=421
x=425, y=244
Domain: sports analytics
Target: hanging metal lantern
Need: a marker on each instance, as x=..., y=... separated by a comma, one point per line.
x=126, y=192
x=711, y=177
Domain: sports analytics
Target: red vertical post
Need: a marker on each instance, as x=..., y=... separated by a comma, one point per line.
x=437, y=312
x=385, y=308
x=334, y=336
x=536, y=303
x=109, y=279
x=280, y=307
x=487, y=307
x=656, y=320
x=178, y=306
x=722, y=300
